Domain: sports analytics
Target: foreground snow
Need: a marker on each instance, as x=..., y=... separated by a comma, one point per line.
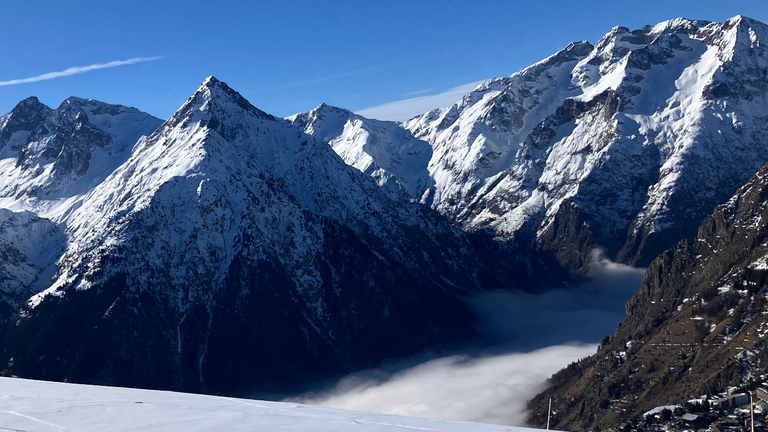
x=46, y=406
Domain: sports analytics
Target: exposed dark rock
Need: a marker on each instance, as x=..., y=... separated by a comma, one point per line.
x=24, y=118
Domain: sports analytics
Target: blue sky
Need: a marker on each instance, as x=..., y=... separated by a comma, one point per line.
x=287, y=57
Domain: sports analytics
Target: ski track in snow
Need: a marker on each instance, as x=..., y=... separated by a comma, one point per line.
x=35, y=419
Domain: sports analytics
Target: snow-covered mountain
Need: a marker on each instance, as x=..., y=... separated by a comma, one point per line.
x=626, y=145
x=49, y=160
x=230, y=251
x=381, y=149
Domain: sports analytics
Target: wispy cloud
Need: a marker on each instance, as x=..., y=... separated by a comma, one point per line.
x=419, y=92
x=77, y=70
x=408, y=108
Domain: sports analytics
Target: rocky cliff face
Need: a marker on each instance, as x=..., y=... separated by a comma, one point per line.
x=16, y=126
x=232, y=252
x=625, y=145
x=697, y=325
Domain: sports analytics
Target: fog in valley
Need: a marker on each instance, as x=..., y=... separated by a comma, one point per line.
x=527, y=338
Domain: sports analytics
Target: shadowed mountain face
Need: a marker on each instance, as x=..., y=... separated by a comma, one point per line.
x=231, y=252
x=626, y=145
x=29, y=246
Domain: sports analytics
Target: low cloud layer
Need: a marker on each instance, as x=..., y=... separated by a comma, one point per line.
x=582, y=314
x=77, y=70
x=409, y=108
x=529, y=337
x=488, y=389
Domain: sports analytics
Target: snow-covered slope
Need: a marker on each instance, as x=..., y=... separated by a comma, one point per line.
x=625, y=145
x=229, y=234
x=478, y=139
x=45, y=406
x=381, y=149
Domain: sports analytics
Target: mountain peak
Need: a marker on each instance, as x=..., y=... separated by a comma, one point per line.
x=30, y=101
x=73, y=106
x=213, y=88
x=217, y=105
x=323, y=121
x=303, y=120
x=211, y=81
x=30, y=105
x=76, y=100
x=740, y=20
x=579, y=46
x=325, y=108
x=622, y=35
x=574, y=51
x=22, y=119
x=216, y=95
x=673, y=26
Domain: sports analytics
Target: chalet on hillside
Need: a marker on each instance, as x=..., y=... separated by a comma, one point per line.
x=695, y=420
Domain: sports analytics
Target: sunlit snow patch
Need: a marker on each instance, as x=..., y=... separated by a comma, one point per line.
x=45, y=406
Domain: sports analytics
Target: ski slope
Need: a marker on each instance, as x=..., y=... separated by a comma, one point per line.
x=41, y=406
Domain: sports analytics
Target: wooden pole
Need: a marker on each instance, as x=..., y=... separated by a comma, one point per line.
x=549, y=412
